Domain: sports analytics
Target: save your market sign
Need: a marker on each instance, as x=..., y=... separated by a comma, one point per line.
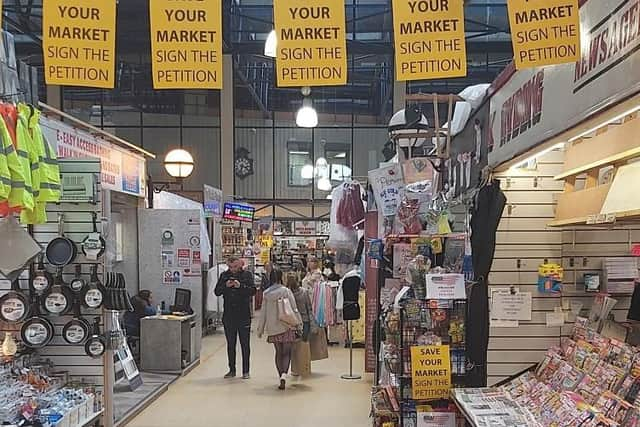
x=121, y=170
x=537, y=104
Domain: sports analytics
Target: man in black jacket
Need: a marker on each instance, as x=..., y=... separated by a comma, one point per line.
x=237, y=287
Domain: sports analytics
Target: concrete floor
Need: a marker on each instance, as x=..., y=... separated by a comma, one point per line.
x=204, y=399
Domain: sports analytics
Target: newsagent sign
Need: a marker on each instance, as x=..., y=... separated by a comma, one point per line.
x=539, y=103
x=312, y=46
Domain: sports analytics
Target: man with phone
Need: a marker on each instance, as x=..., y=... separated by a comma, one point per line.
x=237, y=287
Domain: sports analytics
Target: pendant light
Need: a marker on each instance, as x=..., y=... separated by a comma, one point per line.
x=179, y=163
x=307, y=116
x=271, y=44
x=307, y=172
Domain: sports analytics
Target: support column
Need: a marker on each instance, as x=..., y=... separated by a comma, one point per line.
x=227, y=127
x=54, y=96
x=399, y=95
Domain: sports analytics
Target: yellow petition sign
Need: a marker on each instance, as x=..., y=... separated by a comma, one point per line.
x=544, y=32
x=430, y=372
x=429, y=39
x=186, y=44
x=79, y=42
x=312, y=47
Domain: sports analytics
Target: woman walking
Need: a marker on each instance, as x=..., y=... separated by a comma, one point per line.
x=281, y=334
x=301, y=363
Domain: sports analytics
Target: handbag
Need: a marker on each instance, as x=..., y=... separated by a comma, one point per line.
x=286, y=313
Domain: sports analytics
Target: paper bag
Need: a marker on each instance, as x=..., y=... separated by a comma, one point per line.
x=301, y=359
x=318, y=345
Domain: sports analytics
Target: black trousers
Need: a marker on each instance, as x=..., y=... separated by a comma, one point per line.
x=234, y=328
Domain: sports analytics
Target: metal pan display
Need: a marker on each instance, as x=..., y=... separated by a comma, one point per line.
x=57, y=300
x=93, y=245
x=78, y=284
x=37, y=331
x=14, y=305
x=41, y=280
x=76, y=331
x=93, y=294
x=96, y=345
x=61, y=251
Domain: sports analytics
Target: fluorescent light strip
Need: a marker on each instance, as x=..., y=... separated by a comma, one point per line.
x=538, y=154
x=608, y=122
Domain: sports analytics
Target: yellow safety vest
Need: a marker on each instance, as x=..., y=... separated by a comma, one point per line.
x=50, y=187
x=19, y=169
x=5, y=175
x=38, y=214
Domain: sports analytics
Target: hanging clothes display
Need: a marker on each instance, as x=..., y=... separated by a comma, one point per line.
x=347, y=210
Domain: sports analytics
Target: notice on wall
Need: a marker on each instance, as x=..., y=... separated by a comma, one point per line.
x=446, y=286
x=430, y=372
x=172, y=277
x=186, y=44
x=429, y=39
x=544, y=32
x=312, y=47
x=79, y=42
x=184, y=258
x=511, y=306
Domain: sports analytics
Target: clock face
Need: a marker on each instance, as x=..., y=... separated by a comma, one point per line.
x=243, y=167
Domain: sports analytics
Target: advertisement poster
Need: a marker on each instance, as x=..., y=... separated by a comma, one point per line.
x=544, y=32
x=312, y=45
x=213, y=201
x=186, y=44
x=431, y=372
x=79, y=43
x=387, y=184
x=172, y=277
x=429, y=39
x=184, y=258
x=121, y=170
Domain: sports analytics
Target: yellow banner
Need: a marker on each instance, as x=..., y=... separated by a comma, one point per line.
x=430, y=372
x=1, y=14
x=79, y=42
x=429, y=39
x=544, y=32
x=186, y=44
x=312, y=47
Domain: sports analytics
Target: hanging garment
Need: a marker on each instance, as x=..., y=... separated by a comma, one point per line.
x=50, y=187
x=5, y=175
x=485, y=218
x=20, y=195
x=37, y=214
x=350, y=207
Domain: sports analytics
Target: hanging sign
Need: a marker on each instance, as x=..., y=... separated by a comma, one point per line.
x=79, y=42
x=429, y=39
x=534, y=105
x=121, y=170
x=544, y=32
x=1, y=14
x=212, y=202
x=430, y=372
x=186, y=44
x=312, y=47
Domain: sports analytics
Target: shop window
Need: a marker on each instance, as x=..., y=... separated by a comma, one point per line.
x=299, y=156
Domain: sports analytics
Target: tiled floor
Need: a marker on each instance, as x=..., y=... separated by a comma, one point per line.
x=204, y=399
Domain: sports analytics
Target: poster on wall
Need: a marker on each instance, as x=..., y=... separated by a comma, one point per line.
x=305, y=228
x=121, y=170
x=79, y=42
x=312, y=46
x=429, y=39
x=172, y=277
x=544, y=32
x=186, y=44
x=536, y=104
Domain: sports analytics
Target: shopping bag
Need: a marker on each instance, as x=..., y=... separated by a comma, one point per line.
x=301, y=359
x=287, y=314
x=318, y=346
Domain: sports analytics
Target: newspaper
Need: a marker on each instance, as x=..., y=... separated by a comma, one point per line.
x=486, y=407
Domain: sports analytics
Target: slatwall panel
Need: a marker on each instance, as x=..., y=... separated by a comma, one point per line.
x=524, y=242
x=77, y=224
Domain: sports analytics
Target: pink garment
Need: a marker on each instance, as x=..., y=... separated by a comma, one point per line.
x=350, y=208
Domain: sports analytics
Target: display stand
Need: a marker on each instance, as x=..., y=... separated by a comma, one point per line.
x=350, y=375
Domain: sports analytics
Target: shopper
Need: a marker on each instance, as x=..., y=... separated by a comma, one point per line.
x=142, y=307
x=314, y=274
x=237, y=287
x=282, y=335
x=301, y=360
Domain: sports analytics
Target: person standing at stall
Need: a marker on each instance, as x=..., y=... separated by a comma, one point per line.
x=237, y=287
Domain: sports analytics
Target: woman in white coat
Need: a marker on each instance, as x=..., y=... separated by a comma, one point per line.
x=280, y=334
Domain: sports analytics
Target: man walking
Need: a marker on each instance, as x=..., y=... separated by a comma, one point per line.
x=237, y=287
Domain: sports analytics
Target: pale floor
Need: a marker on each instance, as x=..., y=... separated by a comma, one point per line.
x=204, y=399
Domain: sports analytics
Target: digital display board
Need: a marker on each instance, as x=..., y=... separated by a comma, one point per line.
x=238, y=212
